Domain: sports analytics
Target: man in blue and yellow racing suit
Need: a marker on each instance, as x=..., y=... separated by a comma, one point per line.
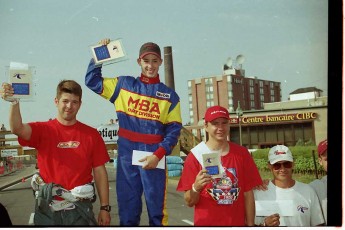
x=150, y=120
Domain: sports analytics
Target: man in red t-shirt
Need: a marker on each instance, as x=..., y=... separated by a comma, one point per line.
x=70, y=155
x=225, y=200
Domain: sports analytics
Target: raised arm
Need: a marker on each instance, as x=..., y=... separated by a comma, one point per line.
x=93, y=77
x=17, y=127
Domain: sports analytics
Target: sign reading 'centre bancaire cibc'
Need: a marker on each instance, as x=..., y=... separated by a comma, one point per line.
x=276, y=118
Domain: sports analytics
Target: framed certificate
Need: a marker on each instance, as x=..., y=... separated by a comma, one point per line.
x=212, y=163
x=20, y=77
x=108, y=54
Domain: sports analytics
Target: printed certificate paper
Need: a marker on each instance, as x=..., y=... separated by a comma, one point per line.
x=108, y=54
x=20, y=77
x=137, y=155
x=269, y=207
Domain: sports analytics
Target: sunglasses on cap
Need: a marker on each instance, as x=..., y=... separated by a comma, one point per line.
x=286, y=164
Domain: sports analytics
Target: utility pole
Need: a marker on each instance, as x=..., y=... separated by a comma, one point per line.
x=169, y=67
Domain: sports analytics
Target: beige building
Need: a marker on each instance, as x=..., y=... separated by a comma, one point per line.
x=287, y=122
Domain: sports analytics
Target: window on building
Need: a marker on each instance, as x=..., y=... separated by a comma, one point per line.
x=303, y=132
x=251, y=82
x=245, y=136
x=231, y=108
x=261, y=134
x=280, y=132
x=209, y=96
x=289, y=135
x=235, y=135
x=308, y=131
x=261, y=90
x=254, y=139
x=251, y=89
x=252, y=104
x=261, y=83
x=229, y=86
x=271, y=135
x=231, y=103
x=299, y=135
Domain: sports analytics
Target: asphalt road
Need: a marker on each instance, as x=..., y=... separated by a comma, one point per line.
x=19, y=202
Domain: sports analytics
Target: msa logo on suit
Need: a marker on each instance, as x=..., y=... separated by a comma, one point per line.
x=142, y=106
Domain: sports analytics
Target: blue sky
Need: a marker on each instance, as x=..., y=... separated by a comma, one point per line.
x=282, y=40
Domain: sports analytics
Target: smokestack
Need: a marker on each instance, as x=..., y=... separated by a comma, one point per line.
x=169, y=68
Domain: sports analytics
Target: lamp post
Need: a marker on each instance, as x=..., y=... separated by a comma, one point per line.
x=239, y=113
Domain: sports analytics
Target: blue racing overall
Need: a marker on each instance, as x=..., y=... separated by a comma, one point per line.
x=150, y=120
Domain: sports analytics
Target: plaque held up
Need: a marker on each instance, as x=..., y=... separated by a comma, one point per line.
x=109, y=54
x=21, y=79
x=212, y=163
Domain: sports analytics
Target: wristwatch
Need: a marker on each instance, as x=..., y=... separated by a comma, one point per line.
x=106, y=208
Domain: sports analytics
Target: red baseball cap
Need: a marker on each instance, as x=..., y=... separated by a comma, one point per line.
x=215, y=112
x=149, y=48
x=322, y=147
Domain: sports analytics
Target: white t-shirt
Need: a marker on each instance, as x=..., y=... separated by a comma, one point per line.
x=320, y=187
x=305, y=208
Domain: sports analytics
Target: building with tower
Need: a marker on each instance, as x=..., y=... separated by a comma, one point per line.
x=259, y=118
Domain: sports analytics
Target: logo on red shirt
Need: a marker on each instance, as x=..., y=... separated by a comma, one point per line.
x=69, y=144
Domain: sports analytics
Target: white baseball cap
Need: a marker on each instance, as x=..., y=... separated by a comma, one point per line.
x=279, y=153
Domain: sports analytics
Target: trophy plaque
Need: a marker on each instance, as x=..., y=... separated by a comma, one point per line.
x=108, y=54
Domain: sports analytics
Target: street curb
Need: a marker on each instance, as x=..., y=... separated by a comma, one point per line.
x=15, y=182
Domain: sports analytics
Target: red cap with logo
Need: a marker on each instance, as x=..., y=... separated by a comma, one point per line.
x=149, y=48
x=215, y=112
x=322, y=147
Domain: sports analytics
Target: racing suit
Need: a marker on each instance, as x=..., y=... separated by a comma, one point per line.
x=150, y=120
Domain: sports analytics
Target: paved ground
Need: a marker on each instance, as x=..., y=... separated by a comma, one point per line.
x=17, y=176
x=18, y=200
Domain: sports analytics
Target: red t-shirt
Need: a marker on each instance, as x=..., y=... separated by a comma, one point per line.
x=222, y=203
x=66, y=154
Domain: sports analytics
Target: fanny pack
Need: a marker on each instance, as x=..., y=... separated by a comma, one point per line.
x=64, y=199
